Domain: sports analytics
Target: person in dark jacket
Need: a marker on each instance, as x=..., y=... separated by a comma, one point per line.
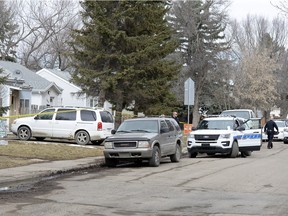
x=269, y=130
x=175, y=116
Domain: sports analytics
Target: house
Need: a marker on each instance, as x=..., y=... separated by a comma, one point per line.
x=71, y=94
x=25, y=91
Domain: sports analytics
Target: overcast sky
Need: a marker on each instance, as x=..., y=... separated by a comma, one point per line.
x=240, y=8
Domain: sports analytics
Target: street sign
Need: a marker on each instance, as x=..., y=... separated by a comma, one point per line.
x=189, y=91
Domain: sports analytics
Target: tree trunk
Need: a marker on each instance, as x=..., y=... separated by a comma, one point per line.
x=196, y=115
x=101, y=98
x=118, y=115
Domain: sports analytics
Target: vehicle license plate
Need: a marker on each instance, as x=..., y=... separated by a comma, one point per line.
x=124, y=154
x=205, y=145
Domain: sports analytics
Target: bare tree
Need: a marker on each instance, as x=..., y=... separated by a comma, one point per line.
x=45, y=29
x=259, y=48
x=255, y=80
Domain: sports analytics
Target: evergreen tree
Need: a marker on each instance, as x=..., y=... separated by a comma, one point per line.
x=8, y=29
x=200, y=26
x=120, y=54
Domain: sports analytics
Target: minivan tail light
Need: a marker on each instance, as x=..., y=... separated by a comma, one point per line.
x=99, y=126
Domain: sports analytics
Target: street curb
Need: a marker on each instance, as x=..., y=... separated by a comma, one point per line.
x=18, y=175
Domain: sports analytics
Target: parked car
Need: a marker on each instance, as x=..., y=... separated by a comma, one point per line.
x=283, y=131
x=144, y=139
x=81, y=124
x=241, y=113
x=225, y=135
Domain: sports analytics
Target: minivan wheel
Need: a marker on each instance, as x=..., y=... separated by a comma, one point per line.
x=82, y=138
x=177, y=156
x=154, y=161
x=24, y=133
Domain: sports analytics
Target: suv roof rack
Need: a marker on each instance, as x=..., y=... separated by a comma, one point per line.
x=84, y=107
x=228, y=116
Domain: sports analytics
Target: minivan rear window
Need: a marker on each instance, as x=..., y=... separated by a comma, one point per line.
x=106, y=117
x=88, y=115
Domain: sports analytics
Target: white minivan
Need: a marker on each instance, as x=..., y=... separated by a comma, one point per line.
x=83, y=125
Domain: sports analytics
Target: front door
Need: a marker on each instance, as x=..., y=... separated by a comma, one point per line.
x=42, y=126
x=252, y=135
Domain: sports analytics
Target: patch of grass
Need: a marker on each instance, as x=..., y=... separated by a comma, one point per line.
x=7, y=162
x=23, y=153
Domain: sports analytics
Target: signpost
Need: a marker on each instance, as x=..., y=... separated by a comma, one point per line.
x=189, y=92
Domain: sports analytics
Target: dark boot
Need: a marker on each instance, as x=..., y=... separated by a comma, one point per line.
x=269, y=145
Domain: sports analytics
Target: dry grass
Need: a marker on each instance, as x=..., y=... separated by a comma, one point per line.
x=22, y=153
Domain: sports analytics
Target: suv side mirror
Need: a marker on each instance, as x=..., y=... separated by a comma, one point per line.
x=241, y=128
x=113, y=131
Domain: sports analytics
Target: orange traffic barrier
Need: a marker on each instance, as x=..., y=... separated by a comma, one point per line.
x=187, y=128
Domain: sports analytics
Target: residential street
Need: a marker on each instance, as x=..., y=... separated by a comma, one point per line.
x=255, y=185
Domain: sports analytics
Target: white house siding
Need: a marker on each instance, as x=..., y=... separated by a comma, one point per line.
x=40, y=99
x=69, y=93
x=5, y=95
x=36, y=99
x=68, y=99
x=5, y=92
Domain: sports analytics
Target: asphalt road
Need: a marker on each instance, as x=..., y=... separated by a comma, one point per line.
x=217, y=186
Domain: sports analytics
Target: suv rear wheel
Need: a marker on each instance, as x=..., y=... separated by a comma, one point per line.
x=82, y=137
x=155, y=159
x=177, y=156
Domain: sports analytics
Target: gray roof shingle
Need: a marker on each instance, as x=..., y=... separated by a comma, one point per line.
x=17, y=71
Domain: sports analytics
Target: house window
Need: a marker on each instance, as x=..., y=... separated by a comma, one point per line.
x=51, y=100
x=93, y=102
x=24, y=106
x=24, y=103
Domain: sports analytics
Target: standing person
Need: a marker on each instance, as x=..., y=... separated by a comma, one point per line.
x=175, y=116
x=269, y=130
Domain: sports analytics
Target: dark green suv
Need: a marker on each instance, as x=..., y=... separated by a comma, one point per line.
x=144, y=139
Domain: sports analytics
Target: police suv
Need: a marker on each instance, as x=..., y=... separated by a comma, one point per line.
x=226, y=135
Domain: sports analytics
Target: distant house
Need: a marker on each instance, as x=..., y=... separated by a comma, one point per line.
x=25, y=91
x=71, y=94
